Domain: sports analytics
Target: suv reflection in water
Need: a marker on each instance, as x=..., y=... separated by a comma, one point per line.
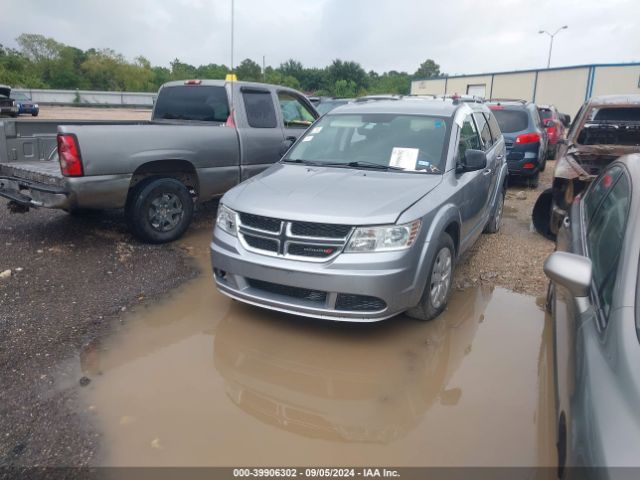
x=351, y=384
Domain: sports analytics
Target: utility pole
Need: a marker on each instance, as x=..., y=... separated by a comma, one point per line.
x=264, y=71
x=551, y=35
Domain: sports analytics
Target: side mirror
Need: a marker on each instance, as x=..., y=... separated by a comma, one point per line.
x=473, y=160
x=286, y=145
x=565, y=119
x=573, y=272
x=549, y=123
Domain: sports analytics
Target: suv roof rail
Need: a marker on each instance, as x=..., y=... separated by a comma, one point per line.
x=518, y=100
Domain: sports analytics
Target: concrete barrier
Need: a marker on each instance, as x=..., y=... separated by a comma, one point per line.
x=90, y=98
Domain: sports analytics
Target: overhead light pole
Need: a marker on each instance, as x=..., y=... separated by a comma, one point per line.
x=551, y=35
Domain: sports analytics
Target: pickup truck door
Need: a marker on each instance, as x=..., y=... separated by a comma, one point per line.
x=259, y=129
x=296, y=113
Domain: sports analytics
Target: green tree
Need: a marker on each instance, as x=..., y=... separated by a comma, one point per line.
x=427, y=69
x=349, y=71
x=345, y=88
x=249, y=71
x=276, y=77
x=182, y=71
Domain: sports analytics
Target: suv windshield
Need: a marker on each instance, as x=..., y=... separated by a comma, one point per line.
x=195, y=103
x=19, y=96
x=411, y=143
x=511, y=121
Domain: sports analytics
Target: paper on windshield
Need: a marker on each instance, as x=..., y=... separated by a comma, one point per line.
x=404, y=157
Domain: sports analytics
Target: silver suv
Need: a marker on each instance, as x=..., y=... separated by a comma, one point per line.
x=366, y=214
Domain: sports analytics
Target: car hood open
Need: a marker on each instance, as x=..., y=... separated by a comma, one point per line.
x=330, y=195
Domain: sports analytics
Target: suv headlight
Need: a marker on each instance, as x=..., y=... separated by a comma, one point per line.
x=227, y=220
x=383, y=239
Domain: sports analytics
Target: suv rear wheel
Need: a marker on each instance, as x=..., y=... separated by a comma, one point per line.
x=533, y=180
x=493, y=226
x=159, y=210
x=438, y=287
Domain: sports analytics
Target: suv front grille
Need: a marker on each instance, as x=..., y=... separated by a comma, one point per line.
x=285, y=290
x=323, y=230
x=359, y=303
x=261, y=223
x=262, y=243
x=314, y=242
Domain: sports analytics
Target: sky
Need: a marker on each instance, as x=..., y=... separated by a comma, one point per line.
x=462, y=36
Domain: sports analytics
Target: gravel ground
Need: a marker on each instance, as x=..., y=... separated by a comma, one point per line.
x=513, y=257
x=71, y=278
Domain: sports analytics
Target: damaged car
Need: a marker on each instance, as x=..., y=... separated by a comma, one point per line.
x=605, y=128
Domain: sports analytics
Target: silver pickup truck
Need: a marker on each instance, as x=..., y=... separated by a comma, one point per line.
x=204, y=137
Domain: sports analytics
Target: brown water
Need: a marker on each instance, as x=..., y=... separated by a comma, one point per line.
x=201, y=380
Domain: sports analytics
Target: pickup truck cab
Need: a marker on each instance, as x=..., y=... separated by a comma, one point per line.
x=204, y=137
x=366, y=215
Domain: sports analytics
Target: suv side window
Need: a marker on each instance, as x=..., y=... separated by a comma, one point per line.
x=261, y=112
x=468, y=137
x=496, y=133
x=604, y=240
x=294, y=113
x=485, y=133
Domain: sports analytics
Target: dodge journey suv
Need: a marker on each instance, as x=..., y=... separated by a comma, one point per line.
x=365, y=215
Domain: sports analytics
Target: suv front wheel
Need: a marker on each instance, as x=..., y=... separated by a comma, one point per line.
x=438, y=287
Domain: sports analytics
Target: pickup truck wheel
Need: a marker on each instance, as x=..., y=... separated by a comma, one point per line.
x=493, y=226
x=159, y=210
x=533, y=180
x=438, y=287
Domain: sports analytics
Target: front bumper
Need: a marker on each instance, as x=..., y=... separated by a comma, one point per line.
x=395, y=279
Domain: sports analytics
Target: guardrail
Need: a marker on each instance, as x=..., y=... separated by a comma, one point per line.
x=90, y=98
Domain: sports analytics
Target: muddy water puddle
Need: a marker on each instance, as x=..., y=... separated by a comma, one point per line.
x=201, y=380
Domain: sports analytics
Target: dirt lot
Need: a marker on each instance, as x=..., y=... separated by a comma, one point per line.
x=76, y=279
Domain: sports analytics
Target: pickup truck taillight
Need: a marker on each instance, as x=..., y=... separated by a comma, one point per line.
x=527, y=138
x=69, y=155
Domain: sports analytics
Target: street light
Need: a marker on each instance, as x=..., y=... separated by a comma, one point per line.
x=551, y=35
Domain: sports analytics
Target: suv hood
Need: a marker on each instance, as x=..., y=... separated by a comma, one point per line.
x=329, y=194
x=6, y=91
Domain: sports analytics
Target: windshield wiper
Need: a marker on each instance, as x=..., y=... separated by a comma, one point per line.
x=301, y=161
x=360, y=164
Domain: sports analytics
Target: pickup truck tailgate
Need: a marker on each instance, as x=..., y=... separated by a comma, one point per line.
x=46, y=172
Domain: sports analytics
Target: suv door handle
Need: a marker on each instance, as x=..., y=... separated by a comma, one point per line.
x=500, y=157
x=487, y=171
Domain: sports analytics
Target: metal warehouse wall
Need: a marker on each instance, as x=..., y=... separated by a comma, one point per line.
x=566, y=87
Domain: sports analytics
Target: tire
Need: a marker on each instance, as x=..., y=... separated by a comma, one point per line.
x=544, y=162
x=533, y=180
x=493, y=226
x=35, y=114
x=159, y=210
x=428, y=309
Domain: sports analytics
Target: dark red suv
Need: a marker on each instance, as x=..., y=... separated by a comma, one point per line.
x=553, y=122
